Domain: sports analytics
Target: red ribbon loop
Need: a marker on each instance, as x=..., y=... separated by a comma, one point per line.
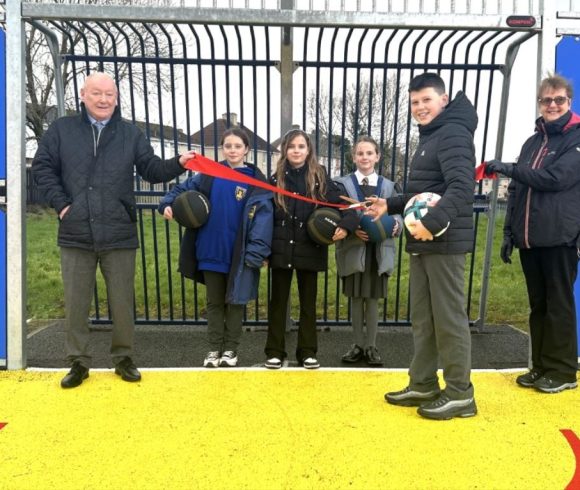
x=199, y=163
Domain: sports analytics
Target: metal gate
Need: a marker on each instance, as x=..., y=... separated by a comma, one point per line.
x=183, y=73
x=341, y=81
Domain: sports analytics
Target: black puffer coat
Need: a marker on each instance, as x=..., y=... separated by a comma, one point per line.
x=292, y=247
x=444, y=163
x=95, y=176
x=544, y=194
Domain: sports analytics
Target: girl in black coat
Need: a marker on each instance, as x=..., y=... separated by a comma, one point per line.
x=292, y=249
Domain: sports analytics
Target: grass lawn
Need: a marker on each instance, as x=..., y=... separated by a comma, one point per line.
x=161, y=293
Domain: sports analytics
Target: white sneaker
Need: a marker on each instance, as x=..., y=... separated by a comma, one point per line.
x=212, y=359
x=229, y=359
x=273, y=363
x=310, y=363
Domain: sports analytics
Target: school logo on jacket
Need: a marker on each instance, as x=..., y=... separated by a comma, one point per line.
x=240, y=192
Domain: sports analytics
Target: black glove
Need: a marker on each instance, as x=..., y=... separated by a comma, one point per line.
x=495, y=166
x=507, y=247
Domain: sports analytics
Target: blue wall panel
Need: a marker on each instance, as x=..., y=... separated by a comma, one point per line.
x=567, y=56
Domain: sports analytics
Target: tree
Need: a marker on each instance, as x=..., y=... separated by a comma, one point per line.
x=369, y=107
x=103, y=39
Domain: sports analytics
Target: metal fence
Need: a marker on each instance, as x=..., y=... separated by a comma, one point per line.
x=337, y=81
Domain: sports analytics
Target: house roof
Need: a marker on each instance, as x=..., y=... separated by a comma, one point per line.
x=168, y=131
x=213, y=132
x=322, y=143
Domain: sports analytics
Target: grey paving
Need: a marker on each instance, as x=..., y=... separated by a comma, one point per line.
x=497, y=347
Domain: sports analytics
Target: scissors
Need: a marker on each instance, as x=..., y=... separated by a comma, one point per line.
x=354, y=203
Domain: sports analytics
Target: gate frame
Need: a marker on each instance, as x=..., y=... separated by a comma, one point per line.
x=17, y=11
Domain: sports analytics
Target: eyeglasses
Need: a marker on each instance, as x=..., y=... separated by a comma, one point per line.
x=547, y=101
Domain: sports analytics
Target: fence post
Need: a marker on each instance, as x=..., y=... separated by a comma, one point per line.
x=15, y=189
x=286, y=100
x=286, y=72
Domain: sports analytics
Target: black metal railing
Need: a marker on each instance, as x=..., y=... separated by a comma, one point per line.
x=177, y=81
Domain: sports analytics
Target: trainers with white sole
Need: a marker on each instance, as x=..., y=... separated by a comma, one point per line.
x=273, y=363
x=212, y=360
x=549, y=385
x=229, y=359
x=310, y=363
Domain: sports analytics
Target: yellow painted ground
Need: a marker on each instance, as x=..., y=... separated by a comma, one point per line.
x=290, y=429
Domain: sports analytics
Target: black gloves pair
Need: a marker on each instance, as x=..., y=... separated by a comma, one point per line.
x=507, y=247
x=495, y=166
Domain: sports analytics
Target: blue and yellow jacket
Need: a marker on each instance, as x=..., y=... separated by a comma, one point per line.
x=252, y=243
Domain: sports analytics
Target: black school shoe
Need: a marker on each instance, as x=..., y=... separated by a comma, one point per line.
x=127, y=370
x=75, y=377
x=373, y=357
x=354, y=354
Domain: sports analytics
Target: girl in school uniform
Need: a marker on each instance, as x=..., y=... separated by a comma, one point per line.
x=365, y=265
x=292, y=249
x=229, y=249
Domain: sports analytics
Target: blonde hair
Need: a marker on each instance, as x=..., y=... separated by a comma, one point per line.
x=314, y=172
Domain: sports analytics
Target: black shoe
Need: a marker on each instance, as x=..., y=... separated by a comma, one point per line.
x=411, y=398
x=549, y=385
x=273, y=363
x=355, y=354
x=444, y=408
x=528, y=379
x=127, y=370
x=75, y=377
x=310, y=363
x=373, y=357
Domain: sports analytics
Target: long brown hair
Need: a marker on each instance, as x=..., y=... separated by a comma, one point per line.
x=314, y=173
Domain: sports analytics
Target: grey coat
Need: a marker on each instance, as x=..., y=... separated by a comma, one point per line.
x=350, y=252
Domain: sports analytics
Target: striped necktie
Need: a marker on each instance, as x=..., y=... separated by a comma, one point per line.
x=99, y=126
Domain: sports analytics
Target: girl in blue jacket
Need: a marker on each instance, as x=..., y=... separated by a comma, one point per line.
x=230, y=247
x=365, y=266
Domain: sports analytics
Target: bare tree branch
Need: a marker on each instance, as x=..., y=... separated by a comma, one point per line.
x=371, y=107
x=103, y=39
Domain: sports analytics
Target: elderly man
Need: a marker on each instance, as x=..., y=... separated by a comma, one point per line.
x=85, y=166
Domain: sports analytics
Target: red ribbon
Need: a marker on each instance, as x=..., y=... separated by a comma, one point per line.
x=480, y=173
x=199, y=163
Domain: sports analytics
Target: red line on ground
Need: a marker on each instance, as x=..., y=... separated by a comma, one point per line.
x=3, y=424
x=574, y=442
